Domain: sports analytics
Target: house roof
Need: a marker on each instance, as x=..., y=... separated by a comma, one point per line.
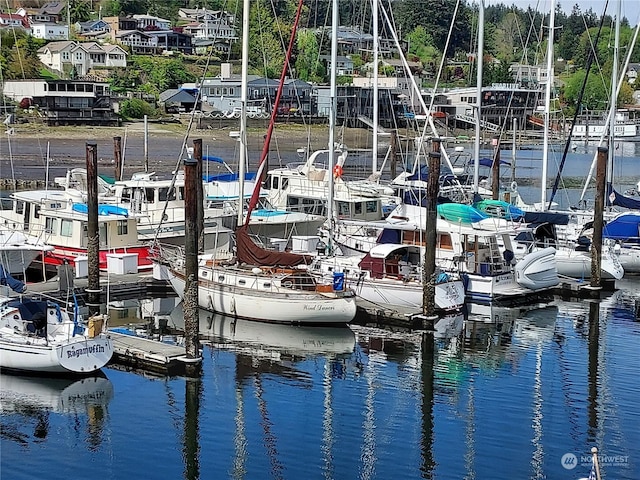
x=54, y=47
x=175, y=95
x=14, y=16
x=53, y=8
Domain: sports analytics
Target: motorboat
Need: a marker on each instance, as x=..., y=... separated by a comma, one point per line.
x=390, y=276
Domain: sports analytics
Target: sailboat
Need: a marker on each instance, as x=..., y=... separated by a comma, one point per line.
x=259, y=284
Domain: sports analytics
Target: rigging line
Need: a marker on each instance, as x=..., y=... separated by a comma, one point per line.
x=15, y=39
x=184, y=144
x=563, y=160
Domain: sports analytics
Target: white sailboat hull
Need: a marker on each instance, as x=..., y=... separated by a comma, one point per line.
x=80, y=355
x=257, y=297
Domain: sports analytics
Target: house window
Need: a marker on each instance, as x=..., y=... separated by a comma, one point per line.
x=65, y=56
x=66, y=229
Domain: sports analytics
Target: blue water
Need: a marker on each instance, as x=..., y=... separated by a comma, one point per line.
x=502, y=394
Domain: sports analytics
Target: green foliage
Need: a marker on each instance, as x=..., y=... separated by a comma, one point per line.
x=596, y=93
x=18, y=55
x=266, y=53
x=421, y=45
x=136, y=108
x=151, y=74
x=308, y=65
x=79, y=10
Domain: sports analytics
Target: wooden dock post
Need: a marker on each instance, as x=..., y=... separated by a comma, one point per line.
x=495, y=169
x=596, y=245
x=93, y=236
x=117, y=157
x=197, y=155
x=429, y=266
x=190, y=300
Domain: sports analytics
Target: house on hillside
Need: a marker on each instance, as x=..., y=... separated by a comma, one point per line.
x=210, y=28
x=66, y=102
x=149, y=22
x=120, y=24
x=92, y=28
x=55, y=11
x=50, y=31
x=69, y=56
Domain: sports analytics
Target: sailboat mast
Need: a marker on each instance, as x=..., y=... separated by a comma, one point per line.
x=243, y=109
x=614, y=94
x=479, y=56
x=376, y=113
x=333, y=106
x=547, y=106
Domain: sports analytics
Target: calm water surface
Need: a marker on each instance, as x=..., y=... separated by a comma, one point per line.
x=505, y=393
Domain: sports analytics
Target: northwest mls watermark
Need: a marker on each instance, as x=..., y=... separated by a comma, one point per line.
x=571, y=460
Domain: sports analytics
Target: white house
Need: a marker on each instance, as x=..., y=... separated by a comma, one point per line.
x=50, y=31
x=146, y=21
x=13, y=20
x=139, y=42
x=64, y=56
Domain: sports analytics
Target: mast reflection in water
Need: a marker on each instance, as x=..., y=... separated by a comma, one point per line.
x=505, y=393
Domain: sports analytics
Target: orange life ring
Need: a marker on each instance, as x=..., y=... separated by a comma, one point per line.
x=337, y=171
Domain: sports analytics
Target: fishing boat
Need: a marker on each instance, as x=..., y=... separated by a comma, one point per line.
x=390, y=275
x=18, y=250
x=63, y=224
x=38, y=336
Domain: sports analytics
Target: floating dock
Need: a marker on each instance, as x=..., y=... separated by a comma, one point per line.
x=149, y=355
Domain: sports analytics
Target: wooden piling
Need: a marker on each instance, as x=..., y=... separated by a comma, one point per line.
x=596, y=245
x=190, y=299
x=495, y=169
x=197, y=155
x=429, y=267
x=93, y=238
x=117, y=157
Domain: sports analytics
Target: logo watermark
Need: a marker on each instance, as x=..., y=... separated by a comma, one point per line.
x=570, y=460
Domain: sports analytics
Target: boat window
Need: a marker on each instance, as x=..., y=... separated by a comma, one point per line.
x=50, y=225
x=221, y=278
x=165, y=194
x=181, y=192
x=126, y=195
x=358, y=208
x=102, y=234
x=20, y=206
x=266, y=285
x=66, y=229
x=242, y=282
x=372, y=206
x=123, y=227
x=444, y=241
x=204, y=273
x=36, y=212
x=343, y=209
x=149, y=194
x=283, y=185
